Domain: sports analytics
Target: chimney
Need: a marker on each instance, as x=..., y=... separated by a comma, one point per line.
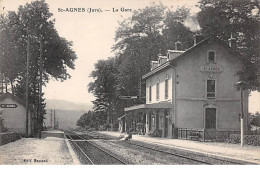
x=198, y=38
x=232, y=41
x=178, y=45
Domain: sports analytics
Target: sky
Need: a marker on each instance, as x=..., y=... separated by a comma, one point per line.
x=93, y=36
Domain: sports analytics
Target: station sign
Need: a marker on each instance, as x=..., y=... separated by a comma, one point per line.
x=128, y=97
x=211, y=68
x=8, y=105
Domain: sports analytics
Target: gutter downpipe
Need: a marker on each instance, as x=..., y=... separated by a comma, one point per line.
x=174, y=97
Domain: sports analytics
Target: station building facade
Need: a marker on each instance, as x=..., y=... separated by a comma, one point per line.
x=193, y=89
x=13, y=112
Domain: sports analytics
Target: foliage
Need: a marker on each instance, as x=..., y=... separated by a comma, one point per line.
x=8, y=137
x=154, y=29
x=255, y=119
x=32, y=24
x=107, y=103
x=242, y=19
x=139, y=40
x=2, y=126
x=248, y=139
x=175, y=29
x=90, y=119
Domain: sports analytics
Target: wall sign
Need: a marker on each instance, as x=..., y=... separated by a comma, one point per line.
x=8, y=105
x=211, y=68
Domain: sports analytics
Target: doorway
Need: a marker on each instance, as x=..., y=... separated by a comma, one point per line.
x=210, y=118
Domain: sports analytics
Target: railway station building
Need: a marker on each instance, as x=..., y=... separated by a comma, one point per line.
x=191, y=90
x=13, y=112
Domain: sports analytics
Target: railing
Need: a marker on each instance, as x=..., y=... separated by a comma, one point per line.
x=188, y=133
x=201, y=134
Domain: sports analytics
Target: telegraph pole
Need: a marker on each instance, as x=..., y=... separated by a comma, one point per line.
x=51, y=119
x=27, y=87
x=54, y=114
x=242, y=85
x=40, y=93
x=242, y=116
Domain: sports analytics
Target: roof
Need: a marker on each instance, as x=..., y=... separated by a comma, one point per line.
x=9, y=95
x=161, y=105
x=172, y=62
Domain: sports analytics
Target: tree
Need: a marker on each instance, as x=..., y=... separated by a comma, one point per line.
x=255, y=119
x=242, y=19
x=103, y=87
x=175, y=30
x=139, y=40
x=33, y=22
x=89, y=119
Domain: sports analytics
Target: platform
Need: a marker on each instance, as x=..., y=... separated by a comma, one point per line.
x=233, y=151
x=52, y=149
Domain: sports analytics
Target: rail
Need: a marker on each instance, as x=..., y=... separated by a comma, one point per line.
x=85, y=147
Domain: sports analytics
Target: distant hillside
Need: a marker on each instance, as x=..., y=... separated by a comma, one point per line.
x=66, y=105
x=66, y=118
x=67, y=112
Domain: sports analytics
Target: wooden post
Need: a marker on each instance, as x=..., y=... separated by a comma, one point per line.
x=204, y=135
x=51, y=120
x=242, y=117
x=40, y=94
x=27, y=87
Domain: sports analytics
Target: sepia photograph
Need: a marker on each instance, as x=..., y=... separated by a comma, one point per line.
x=130, y=82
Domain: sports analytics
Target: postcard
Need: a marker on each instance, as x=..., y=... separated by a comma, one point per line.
x=129, y=82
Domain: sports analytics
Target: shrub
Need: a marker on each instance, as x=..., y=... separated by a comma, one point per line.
x=8, y=137
x=2, y=127
x=248, y=139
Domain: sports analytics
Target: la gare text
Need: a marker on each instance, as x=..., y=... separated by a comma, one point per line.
x=94, y=10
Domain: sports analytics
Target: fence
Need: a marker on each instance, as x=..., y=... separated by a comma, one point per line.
x=204, y=134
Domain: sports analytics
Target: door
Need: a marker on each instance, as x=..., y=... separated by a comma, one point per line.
x=166, y=125
x=210, y=118
x=150, y=121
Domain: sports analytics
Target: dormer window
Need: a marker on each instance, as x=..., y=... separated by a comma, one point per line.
x=211, y=56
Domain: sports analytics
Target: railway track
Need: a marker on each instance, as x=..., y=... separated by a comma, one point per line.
x=195, y=158
x=90, y=153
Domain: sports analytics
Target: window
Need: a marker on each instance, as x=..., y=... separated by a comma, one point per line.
x=150, y=93
x=211, y=88
x=210, y=118
x=211, y=56
x=158, y=90
x=166, y=87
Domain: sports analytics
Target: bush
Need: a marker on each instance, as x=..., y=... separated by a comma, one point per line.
x=2, y=127
x=9, y=137
x=248, y=139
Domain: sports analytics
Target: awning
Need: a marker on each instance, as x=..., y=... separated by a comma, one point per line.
x=162, y=105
